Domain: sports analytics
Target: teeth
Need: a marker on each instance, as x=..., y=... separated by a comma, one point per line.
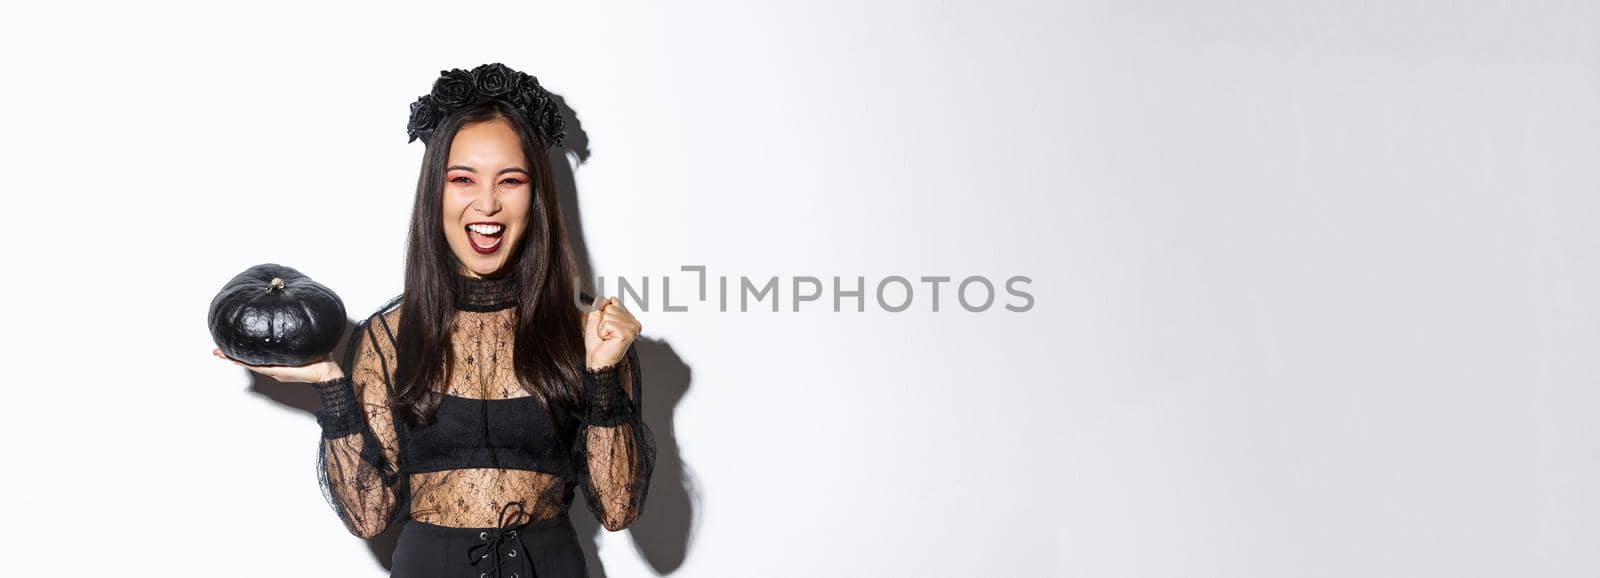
x=486, y=229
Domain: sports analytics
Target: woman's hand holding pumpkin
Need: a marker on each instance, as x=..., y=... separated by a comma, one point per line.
x=607, y=333
x=317, y=371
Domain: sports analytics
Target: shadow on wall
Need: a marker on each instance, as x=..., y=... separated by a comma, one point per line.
x=662, y=531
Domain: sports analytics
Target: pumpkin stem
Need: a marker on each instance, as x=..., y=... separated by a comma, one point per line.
x=277, y=284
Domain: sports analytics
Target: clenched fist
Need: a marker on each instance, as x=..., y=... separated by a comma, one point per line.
x=607, y=332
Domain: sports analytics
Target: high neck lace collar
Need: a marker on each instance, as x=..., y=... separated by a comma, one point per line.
x=491, y=294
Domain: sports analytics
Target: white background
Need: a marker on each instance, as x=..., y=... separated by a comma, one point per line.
x=1315, y=282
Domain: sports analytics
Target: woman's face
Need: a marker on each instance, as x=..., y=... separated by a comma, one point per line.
x=487, y=191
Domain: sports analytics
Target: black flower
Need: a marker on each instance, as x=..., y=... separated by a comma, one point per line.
x=492, y=80
x=454, y=88
x=554, y=127
x=528, y=96
x=457, y=88
x=424, y=114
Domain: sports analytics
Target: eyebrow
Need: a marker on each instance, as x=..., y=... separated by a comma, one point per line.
x=475, y=171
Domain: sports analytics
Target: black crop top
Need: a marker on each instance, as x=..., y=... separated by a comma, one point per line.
x=491, y=443
x=481, y=433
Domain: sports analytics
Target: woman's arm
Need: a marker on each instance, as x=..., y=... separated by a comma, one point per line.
x=357, y=460
x=615, y=451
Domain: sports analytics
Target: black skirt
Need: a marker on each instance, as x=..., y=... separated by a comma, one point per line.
x=542, y=549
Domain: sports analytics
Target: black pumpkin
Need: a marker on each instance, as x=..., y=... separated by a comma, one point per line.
x=273, y=315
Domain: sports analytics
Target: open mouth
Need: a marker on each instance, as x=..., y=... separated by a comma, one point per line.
x=485, y=237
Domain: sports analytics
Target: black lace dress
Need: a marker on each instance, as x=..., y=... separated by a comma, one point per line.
x=487, y=486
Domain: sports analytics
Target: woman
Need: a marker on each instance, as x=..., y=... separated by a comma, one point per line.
x=479, y=399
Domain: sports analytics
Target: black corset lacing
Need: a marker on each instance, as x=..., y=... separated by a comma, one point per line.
x=504, y=536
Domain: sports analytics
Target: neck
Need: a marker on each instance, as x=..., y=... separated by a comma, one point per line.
x=485, y=293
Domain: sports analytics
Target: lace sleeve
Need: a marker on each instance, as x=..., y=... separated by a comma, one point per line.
x=357, y=458
x=615, y=452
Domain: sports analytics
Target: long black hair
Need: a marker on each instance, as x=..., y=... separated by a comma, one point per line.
x=549, y=345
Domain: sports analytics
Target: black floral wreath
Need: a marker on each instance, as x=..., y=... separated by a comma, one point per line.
x=457, y=88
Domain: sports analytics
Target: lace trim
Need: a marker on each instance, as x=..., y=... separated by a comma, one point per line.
x=487, y=294
x=605, y=403
x=338, y=415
